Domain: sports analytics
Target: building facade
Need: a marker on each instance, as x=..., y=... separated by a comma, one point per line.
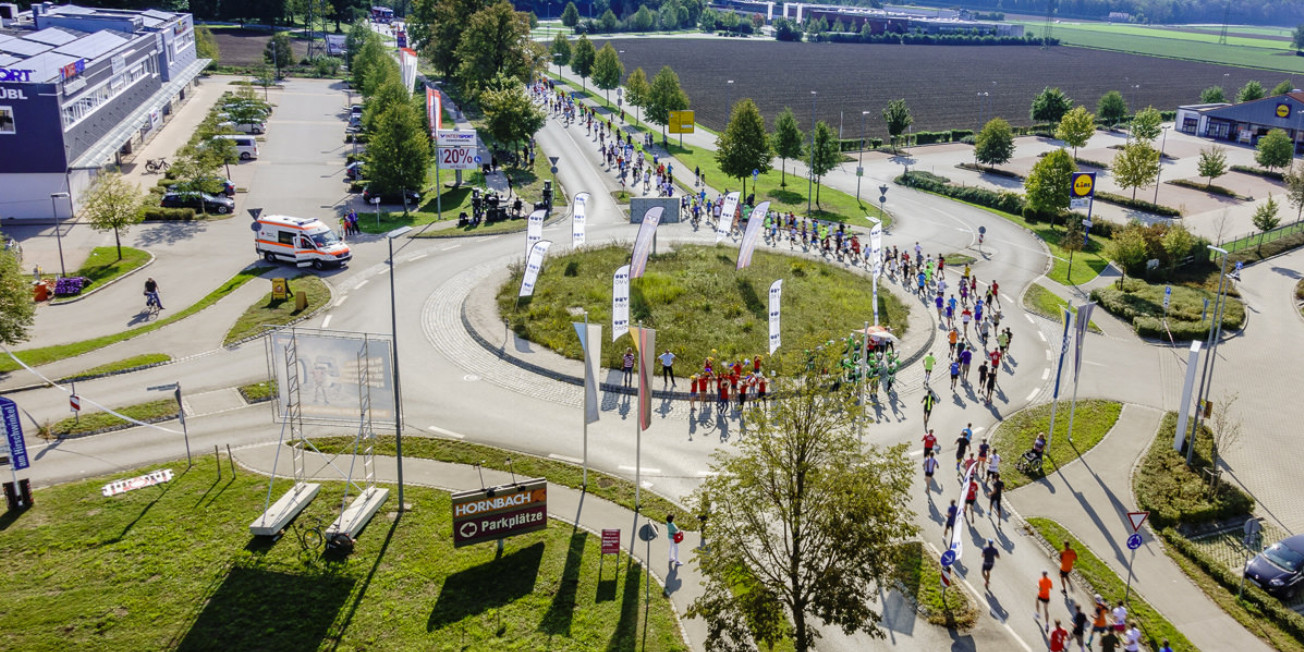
x=1246, y=122
x=79, y=89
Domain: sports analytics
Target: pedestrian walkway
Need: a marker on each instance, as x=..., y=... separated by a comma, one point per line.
x=682, y=584
x=1091, y=498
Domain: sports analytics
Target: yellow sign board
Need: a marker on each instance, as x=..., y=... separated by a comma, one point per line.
x=1283, y=110
x=681, y=122
x=1083, y=184
x=280, y=289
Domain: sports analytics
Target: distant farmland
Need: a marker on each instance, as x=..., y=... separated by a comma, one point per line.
x=940, y=83
x=1252, y=47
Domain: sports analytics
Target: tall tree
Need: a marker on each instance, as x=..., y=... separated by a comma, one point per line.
x=1076, y=128
x=1297, y=38
x=449, y=19
x=897, y=116
x=570, y=16
x=1212, y=95
x=113, y=204
x=399, y=150
x=583, y=56
x=788, y=141
x=607, y=69
x=827, y=154
x=1295, y=189
x=561, y=51
x=496, y=41
x=278, y=51
x=1136, y=166
x=1145, y=125
x=664, y=96
x=994, y=145
x=1047, y=185
x=1177, y=243
x=1266, y=219
x=1050, y=105
x=510, y=115
x=744, y=146
x=1212, y=164
x=1111, y=108
x=1284, y=87
x=205, y=45
x=1275, y=150
x=806, y=521
x=358, y=34
x=1252, y=90
x=17, y=310
x=636, y=90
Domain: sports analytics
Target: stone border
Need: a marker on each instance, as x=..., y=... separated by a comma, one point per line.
x=78, y=297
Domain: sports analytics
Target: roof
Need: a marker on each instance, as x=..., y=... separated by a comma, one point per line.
x=23, y=47
x=94, y=46
x=1260, y=112
x=53, y=36
x=46, y=67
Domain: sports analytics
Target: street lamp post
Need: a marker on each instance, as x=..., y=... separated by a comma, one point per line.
x=810, y=172
x=398, y=394
x=1211, y=349
x=58, y=229
x=860, y=162
x=1162, y=145
x=728, y=108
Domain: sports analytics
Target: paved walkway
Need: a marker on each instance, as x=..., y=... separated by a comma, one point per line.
x=1091, y=499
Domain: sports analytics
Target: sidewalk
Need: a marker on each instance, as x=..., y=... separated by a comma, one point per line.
x=682, y=585
x=1091, y=498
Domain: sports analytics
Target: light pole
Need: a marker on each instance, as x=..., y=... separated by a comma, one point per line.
x=557, y=57
x=810, y=172
x=58, y=229
x=1211, y=348
x=1162, y=144
x=398, y=394
x=982, y=97
x=728, y=109
x=860, y=167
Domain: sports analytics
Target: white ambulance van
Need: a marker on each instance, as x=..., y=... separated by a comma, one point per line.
x=303, y=241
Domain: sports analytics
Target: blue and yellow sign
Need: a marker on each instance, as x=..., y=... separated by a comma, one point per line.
x=1283, y=110
x=1084, y=185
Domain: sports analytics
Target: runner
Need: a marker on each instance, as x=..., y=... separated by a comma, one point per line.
x=1044, y=585
x=983, y=450
x=1079, y=625
x=930, y=467
x=1100, y=622
x=1067, y=557
x=1058, y=638
x=930, y=399
x=970, y=497
x=994, y=465
x=961, y=445
x=930, y=440
x=950, y=522
x=955, y=372
x=1132, y=639
x=994, y=505
x=929, y=363
x=990, y=555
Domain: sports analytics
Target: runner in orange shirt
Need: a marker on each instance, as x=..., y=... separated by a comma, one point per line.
x=1067, y=557
x=1044, y=585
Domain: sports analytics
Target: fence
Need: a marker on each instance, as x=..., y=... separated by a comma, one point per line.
x=1255, y=239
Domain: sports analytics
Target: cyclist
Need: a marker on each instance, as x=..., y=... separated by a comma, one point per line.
x=151, y=294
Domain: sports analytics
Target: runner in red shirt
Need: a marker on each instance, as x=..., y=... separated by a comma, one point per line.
x=930, y=440
x=1058, y=638
x=692, y=393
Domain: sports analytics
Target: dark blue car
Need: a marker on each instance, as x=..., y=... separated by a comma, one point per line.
x=1279, y=570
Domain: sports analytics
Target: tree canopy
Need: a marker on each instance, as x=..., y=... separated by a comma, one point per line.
x=1295, y=188
x=510, y=115
x=1212, y=95
x=1047, y=185
x=788, y=140
x=1050, y=105
x=1213, y=163
x=664, y=96
x=827, y=154
x=994, y=145
x=583, y=56
x=1275, y=150
x=399, y=149
x=1136, y=166
x=1266, y=218
x=1112, y=108
x=1284, y=87
x=607, y=69
x=560, y=50
x=496, y=41
x=1146, y=124
x=113, y=204
x=570, y=16
x=1076, y=128
x=445, y=21
x=17, y=310
x=744, y=146
x=897, y=116
x=1252, y=90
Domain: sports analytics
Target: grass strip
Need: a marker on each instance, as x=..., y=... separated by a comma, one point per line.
x=91, y=422
x=1209, y=188
x=1154, y=627
x=105, y=562
x=103, y=265
x=268, y=312
x=1254, y=248
x=1015, y=435
x=918, y=576
x=603, y=486
x=258, y=392
x=134, y=362
x=954, y=259
x=1176, y=493
x=1040, y=301
x=48, y=354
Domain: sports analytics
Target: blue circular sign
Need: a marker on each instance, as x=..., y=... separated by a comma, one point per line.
x=1134, y=542
x=948, y=558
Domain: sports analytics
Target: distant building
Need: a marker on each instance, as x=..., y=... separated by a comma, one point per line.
x=887, y=19
x=1246, y=122
x=1120, y=17
x=79, y=88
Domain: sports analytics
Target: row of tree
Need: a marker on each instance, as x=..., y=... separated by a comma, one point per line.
x=1252, y=90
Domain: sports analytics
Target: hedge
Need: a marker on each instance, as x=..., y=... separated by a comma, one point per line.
x=930, y=137
x=985, y=170
x=1268, y=249
x=1174, y=493
x=1139, y=204
x=1209, y=188
x=1140, y=303
x=156, y=214
x=1007, y=202
x=1277, y=176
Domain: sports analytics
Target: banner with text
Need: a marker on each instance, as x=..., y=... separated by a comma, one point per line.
x=620, y=303
x=753, y=233
x=776, y=294
x=725, y=223
x=533, y=263
x=591, y=341
x=534, y=230
x=578, y=219
x=645, y=341
x=14, y=434
x=643, y=242
x=434, y=111
x=457, y=149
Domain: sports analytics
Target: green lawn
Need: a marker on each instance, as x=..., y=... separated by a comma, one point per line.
x=255, y=392
x=699, y=305
x=1142, y=305
x=1015, y=435
x=270, y=313
x=1040, y=301
x=135, y=361
x=89, y=422
x=919, y=575
x=601, y=485
x=1104, y=582
x=103, y=265
x=48, y=354
x=174, y=567
x=1174, y=492
x=1240, y=51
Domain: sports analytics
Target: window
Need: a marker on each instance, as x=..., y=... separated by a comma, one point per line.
x=185, y=40
x=285, y=237
x=90, y=100
x=7, y=120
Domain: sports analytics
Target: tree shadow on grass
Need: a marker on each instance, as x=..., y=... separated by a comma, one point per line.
x=562, y=611
x=785, y=196
x=487, y=586
x=751, y=300
x=255, y=608
x=627, y=627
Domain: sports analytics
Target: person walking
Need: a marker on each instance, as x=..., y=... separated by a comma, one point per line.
x=667, y=369
x=1067, y=558
x=1044, y=585
x=930, y=399
x=675, y=536
x=627, y=367
x=990, y=555
x=994, y=496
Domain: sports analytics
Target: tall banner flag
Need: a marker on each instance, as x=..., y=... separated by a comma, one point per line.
x=534, y=230
x=577, y=219
x=645, y=341
x=533, y=263
x=643, y=242
x=1080, y=336
x=434, y=110
x=407, y=68
x=876, y=259
x=591, y=342
x=776, y=295
x=957, y=537
x=14, y=435
x=620, y=303
x=1064, y=347
x=725, y=224
x=754, y=226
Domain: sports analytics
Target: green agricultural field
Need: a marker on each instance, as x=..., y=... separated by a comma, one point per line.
x=1243, y=51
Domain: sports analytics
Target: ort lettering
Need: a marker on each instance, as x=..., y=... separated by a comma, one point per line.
x=11, y=75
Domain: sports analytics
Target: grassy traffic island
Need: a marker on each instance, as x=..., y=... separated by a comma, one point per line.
x=697, y=302
x=103, y=266
x=269, y=312
x=1142, y=304
x=1015, y=435
x=173, y=566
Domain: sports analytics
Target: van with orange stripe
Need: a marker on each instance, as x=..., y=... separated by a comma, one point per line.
x=303, y=241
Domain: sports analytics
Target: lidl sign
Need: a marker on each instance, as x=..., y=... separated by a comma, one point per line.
x=1283, y=110
x=1084, y=184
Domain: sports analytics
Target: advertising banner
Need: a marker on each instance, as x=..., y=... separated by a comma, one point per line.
x=481, y=515
x=753, y=233
x=533, y=263
x=533, y=230
x=776, y=295
x=578, y=206
x=407, y=65
x=643, y=242
x=725, y=225
x=14, y=434
x=620, y=303
x=329, y=365
x=457, y=149
x=645, y=342
x=591, y=342
x=434, y=111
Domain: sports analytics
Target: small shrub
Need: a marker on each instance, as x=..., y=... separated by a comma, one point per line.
x=156, y=214
x=1268, y=174
x=1176, y=494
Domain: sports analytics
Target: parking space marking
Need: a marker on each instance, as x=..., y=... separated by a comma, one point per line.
x=566, y=458
x=442, y=431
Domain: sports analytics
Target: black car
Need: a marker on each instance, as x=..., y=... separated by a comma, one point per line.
x=227, y=188
x=413, y=197
x=199, y=201
x=1279, y=570
x=353, y=171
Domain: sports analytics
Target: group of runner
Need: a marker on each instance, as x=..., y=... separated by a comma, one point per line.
x=730, y=379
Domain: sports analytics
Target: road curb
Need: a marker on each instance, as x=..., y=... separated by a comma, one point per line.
x=111, y=283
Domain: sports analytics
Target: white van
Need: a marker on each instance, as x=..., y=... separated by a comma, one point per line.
x=300, y=240
x=256, y=128
x=245, y=146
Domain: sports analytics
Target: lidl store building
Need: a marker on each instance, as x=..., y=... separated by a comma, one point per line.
x=79, y=89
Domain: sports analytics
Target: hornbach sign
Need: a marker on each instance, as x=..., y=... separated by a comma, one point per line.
x=481, y=515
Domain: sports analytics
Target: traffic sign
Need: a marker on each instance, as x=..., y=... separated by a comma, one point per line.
x=948, y=558
x=1134, y=542
x=553, y=169
x=1168, y=295
x=860, y=171
x=255, y=212
x=946, y=576
x=648, y=532
x=982, y=229
x=74, y=402
x=1137, y=518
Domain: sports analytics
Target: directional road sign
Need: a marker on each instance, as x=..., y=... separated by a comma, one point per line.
x=1134, y=542
x=948, y=558
x=1136, y=519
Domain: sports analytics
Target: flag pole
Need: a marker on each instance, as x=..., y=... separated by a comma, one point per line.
x=584, y=418
x=1059, y=367
x=638, y=429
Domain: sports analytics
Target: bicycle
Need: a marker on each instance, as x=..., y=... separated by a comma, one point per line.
x=152, y=304
x=311, y=533
x=156, y=165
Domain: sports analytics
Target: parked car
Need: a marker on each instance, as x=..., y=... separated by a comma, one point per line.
x=1279, y=570
x=353, y=171
x=355, y=111
x=200, y=201
x=413, y=196
x=228, y=188
x=256, y=128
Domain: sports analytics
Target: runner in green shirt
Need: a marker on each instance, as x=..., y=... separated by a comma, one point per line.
x=929, y=363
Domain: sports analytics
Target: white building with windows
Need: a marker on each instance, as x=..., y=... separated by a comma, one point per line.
x=79, y=88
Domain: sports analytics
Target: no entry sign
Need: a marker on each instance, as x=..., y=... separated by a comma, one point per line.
x=483, y=515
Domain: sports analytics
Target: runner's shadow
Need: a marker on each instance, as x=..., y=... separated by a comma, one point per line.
x=995, y=608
